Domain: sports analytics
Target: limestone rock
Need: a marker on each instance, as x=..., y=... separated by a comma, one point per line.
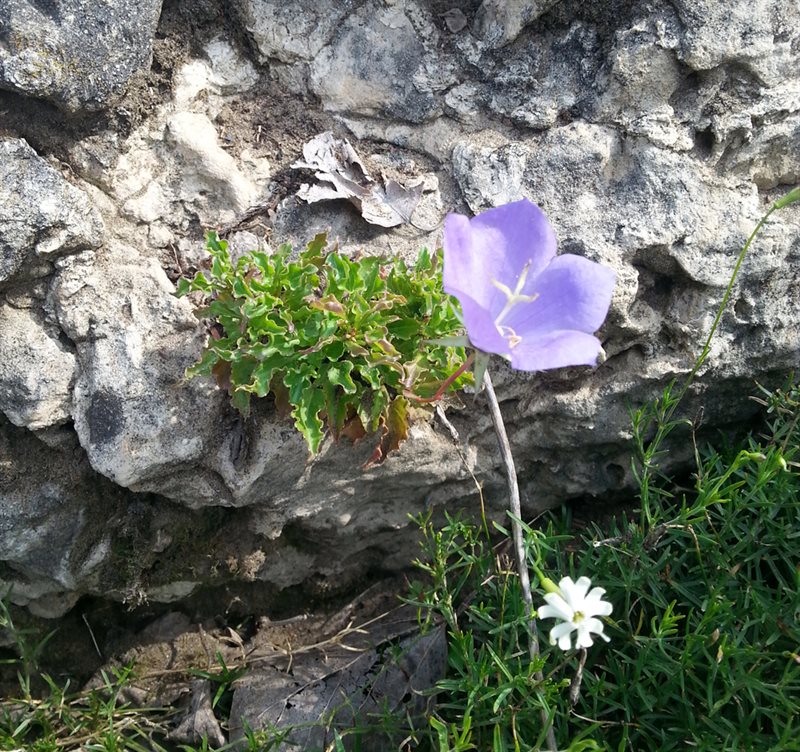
x=41, y=214
x=134, y=414
x=383, y=62
x=208, y=165
x=757, y=35
x=294, y=30
x=223, y=71
x=547, y=77
x=654, y=134
x=388, y=667
x=50, y=544
x=73, y=53
x=180, y=170
x=36, y=371
x=499, y=22
x=642, y=79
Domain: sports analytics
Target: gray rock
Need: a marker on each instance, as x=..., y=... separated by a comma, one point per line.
x=50, y=539
x=135, y=415
x=546, y=77
x=654, y=136
x=208, y=168
x=294, y=30
x=640, y=82
x=37, y=371
x=41, y=215
x=176, y=167
x=383, y=62
x=760, y=36
x=769, y=157
x=499, y=22
x=75, y=54
x=389, y=667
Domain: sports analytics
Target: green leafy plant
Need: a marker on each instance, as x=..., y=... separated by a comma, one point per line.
x=491, y=697
x=341, y=343
x=706, y=633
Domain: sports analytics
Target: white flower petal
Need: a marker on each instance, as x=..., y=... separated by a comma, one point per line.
x=584, y=638
x=559, y=630
x=567, y=587
x=564, y=642
x=596, y=592
x=549, y=612
x=582, y=586
x=557, y=607
x=596, y=607
x=593, y=625
x=574, y=592
x=577, y=607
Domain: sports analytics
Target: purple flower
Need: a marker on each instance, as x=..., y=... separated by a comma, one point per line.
x=518, y=298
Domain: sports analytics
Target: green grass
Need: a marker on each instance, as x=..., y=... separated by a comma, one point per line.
x=704, y=636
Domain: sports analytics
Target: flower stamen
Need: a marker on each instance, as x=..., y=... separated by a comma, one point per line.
x=513, y=297
x=513, y=338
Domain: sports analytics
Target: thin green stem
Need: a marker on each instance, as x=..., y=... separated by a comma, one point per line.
x=722, y=307
x=517, y=537
x=665, y=424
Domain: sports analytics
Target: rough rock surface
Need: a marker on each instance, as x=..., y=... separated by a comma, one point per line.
x=653, y=133
x=36, y=371
x=349, y=680
x=41, y=214
x=73, y=53
x=133, y=413
x=383, y=62
x=292, y=31
x=51, y=548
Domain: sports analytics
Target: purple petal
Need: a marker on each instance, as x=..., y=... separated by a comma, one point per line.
x=573, y=293
x=556, y=350
x=480, y=327
x=496, y=245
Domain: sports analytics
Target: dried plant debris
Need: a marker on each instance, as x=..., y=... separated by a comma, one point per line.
x=346, y=682
x=199, y=723
x=342, y=175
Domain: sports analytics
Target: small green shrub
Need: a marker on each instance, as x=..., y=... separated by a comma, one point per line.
x=341, y=342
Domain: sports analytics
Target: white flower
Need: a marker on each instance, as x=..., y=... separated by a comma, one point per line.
x=578, y=612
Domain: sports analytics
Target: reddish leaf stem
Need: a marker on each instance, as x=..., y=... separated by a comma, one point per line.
x=443, y=387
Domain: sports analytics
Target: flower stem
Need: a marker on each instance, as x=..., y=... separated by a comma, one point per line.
x=516, y=533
